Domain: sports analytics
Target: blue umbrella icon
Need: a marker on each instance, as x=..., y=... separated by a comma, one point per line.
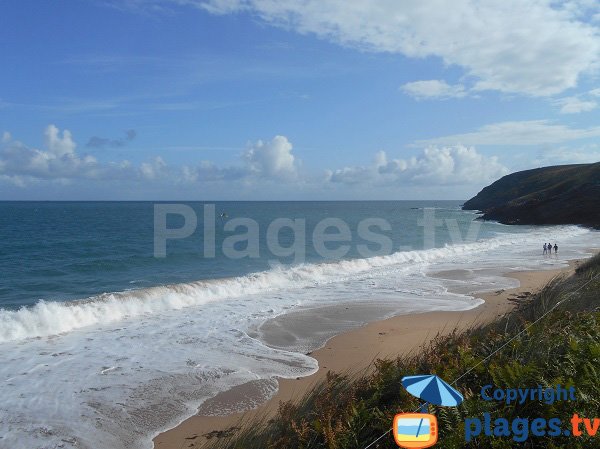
x=433, y=390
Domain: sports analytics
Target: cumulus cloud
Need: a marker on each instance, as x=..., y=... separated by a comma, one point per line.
x=271, y=159
x=535, y=47
x=59, y=146
x=104, y=142
x=435, y=165
x=59, y=160
x=433, y=89
x=528, y=132
x=155, y=169
x=270, y=163
x=262, y=160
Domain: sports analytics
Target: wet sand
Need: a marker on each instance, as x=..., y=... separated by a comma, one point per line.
x=353, y=350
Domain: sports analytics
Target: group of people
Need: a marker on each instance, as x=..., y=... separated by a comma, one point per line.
x=548, y=248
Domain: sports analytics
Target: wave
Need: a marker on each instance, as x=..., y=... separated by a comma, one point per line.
x=50, y=318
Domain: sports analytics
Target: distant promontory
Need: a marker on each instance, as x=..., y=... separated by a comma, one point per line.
x=563, y=194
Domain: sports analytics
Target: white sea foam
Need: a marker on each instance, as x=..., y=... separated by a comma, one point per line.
x=51, y=318
x=111, y=371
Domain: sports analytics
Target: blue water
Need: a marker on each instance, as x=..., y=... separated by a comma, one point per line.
x=71, y=250
x=102, y=344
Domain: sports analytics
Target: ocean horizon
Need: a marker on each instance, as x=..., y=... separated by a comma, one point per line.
x=133, y=315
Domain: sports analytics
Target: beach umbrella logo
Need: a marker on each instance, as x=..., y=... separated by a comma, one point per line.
x=433, y=390
x=420, y=430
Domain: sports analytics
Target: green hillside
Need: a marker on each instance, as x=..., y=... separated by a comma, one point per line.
x=565, y=194
x=550, y=339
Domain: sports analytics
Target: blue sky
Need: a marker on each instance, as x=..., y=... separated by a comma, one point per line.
x=256, y=99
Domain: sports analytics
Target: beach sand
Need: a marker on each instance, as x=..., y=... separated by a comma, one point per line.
x=352, y=351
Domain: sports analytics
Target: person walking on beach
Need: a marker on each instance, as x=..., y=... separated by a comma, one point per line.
x=545, y=249
x=555, y=248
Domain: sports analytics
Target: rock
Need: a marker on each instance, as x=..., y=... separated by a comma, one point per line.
x=564, y=194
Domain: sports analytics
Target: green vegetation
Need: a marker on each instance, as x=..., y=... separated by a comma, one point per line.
x=552, y=339
x=565, y=194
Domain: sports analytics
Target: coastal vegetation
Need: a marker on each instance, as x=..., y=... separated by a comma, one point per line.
x=564, y=194
x=551, y=338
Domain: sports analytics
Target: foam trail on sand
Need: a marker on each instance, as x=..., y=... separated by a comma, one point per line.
x=113, y=370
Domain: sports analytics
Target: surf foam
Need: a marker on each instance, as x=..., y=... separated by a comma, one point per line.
x=48, y=318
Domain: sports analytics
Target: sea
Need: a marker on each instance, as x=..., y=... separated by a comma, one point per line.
x=119, y=319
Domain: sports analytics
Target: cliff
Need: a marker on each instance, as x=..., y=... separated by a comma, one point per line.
x=564, y=194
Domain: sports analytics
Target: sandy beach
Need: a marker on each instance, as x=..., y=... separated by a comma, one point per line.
x=352, y=351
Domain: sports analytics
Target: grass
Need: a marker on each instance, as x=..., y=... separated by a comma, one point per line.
x=552, y=339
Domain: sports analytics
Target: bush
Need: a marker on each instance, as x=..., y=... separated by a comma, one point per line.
x=554, y=339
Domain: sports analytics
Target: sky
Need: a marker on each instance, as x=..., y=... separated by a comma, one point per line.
x=291, y=99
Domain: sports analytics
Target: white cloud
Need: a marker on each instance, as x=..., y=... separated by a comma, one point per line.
x=60, y=162
x=273, y=159
x=566, y=155
x=535, y=47
x=584, y=9
x=20, y=164
x=155, y=169
x=530, y=132
x=351, y=175
x=261, y=161
x=430, y=89
x=575, y=105
x=437, y=169
x=434, y=166
x=59, y=146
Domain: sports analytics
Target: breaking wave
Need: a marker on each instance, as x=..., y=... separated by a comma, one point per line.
x=50, y=318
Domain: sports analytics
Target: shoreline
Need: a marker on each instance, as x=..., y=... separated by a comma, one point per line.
x=353, y=350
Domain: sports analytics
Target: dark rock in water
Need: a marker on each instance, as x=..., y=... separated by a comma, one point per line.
x=564, y=194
